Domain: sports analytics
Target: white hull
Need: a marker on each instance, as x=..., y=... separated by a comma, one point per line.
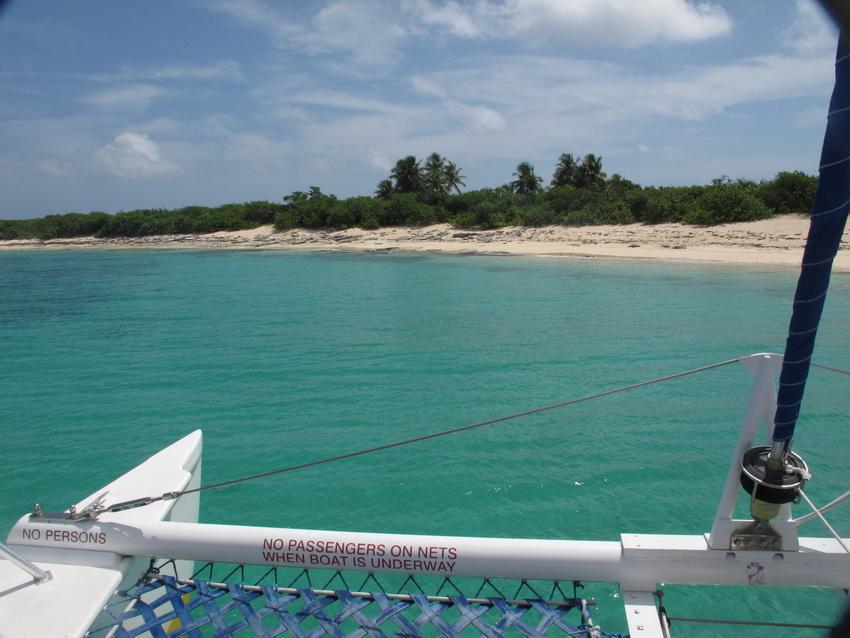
x=83, y=579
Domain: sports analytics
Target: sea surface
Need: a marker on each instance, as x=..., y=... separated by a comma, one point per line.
x=283, y=357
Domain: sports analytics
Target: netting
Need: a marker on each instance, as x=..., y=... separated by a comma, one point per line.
x=163, y=606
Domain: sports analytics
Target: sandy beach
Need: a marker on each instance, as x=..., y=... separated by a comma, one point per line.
x=773, y=242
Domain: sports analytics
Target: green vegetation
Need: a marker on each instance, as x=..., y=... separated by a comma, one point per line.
x=54, y=226
x=526, y=182
x=191, y=219
x=418, y=194
x=588, y=174
x=789, y=192
x=136, y=223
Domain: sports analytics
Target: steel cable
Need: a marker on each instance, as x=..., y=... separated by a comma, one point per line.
x=417, y=439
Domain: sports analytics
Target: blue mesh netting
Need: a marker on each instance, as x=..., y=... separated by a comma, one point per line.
x=165, y=607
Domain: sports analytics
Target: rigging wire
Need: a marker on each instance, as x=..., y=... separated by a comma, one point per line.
x=832, y=531
x=117, y=507
x=833, y=503
x=836, y=501
x=831, y=369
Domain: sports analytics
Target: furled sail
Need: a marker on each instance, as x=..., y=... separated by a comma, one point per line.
x=829, y=215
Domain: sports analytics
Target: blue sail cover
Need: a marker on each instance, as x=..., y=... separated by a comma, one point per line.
x=829, y=215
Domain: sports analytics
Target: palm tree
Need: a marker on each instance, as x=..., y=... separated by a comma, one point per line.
x=526, y=181
x=384, y=189
x=566, y=171
x=434, y=177
x=452, y=177
x=407, y=175
x=590, y=174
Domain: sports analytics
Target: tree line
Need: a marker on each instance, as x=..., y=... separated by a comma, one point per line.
x=418, y=193
x=579, y=193
x=142, y=222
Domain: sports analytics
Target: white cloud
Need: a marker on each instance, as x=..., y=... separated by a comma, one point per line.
x=131, y=97
x=585, y=23
x=257, y=14
x=427, y=87
x=582, y=106
x=770, y=77
x=226, y=70
x=464, y=22
x=603, y=92
x=618, y=22
x=555, y=103
x=133, y=154
x=479, y=117
x=811, y=33
x=378, y=138
x=353, y=37
x=339, y=100
x=363, y=29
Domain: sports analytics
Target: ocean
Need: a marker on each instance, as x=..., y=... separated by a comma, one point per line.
x=286, y=357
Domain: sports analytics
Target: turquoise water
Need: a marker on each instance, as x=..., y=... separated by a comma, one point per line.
x=285, y=357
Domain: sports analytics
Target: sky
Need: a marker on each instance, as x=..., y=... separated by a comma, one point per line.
x=116, y=106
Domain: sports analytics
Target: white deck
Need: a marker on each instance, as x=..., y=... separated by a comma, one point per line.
x=85, y=580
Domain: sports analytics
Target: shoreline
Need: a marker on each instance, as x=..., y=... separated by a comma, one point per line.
x=776, y=242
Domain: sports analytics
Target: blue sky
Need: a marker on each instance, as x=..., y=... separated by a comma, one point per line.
x=113, y=106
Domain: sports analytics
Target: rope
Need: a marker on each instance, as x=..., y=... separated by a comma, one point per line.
x=824, y=521
x=117, y=507
x=759, y=623
x=833, y=503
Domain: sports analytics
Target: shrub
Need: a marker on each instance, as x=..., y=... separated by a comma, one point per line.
x=403, y=209
x=305, y=210
x=17, y=229
x=668, y=204
x=489, y=208
x=726, y=203
x=537, y=215
x=601, y=212
x=569, y=198
x=792, y=192
x=347, y=213
x=136, y=223
x=70, y=225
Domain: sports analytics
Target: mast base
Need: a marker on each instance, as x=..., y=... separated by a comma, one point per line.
x=756, y=535
x=770, y=485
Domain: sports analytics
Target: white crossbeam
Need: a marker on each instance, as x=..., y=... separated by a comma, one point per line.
x=642, y=615
x=638, y=562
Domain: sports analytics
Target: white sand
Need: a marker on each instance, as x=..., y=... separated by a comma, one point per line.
x=773, y=242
